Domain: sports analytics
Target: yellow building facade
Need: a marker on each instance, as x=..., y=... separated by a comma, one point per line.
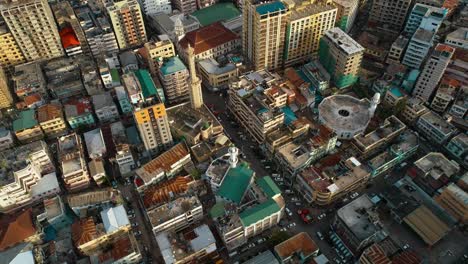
x=10, y=53
x=153, y=125
x=156, y=50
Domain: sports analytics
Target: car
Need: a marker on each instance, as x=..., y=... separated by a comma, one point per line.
x=294, y=199
x=251, y=245
x=288, y=212
x=137, y=233
x=298, y=204
x=134, y=224
x=131, y=215
x=283, y=229
x=321, y=216
x=293, y=224
x=406, y=246
x=345, y=200
x=130, y=212
x=319, y=235
x=276, y=175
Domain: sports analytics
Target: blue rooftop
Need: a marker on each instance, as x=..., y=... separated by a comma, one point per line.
x=289, y=115
x=172, y=65
x=396, y=91
x=270, y=8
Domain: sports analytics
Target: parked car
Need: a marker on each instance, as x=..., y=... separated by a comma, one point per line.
x=288, y=211
x=319, y=235
x=406, y=246
x=137, y=233
x=134, y=224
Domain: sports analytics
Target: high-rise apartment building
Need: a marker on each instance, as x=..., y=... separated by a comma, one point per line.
x=263, y=33
x=426, y=17
x=33, y=26
x=346, y=14
x=10, y=53
x=389, y=15
x=158, y=50
x=341, y=56
x=174, y=75
x=195, y=91
x=418, y=48
x=433, y=71
x=152, y=7
x=308, y=22
x=185, y=6
x=127, y=22
x=6, y=100
x=72, y=35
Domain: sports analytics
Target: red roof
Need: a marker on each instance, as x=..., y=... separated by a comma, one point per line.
x=68, y=37
x=207, y=38
x=84, y=231
x=16, y=230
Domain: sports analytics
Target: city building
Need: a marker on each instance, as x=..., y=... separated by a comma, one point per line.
x=98, y=32
x=368, y=144
x=318, y=76
x=83, y=202
x=151, y=7
x=300, y=248
x=173, y=76
x=346, y=13
x=455, y=201
x=19, y=229
x=397, y=50
x=95, y=144
x=6, y=139
x=63, y=77
x=123, y=156
x=433, y=70
x=195, y=90
x=387, y=251
x=123, y=99
x=435, y=128
x=26, y=127
x=156, y=50
x=263, y=257
x=10, y=52
x=346, y=115
x=418, y=48
x=29, y=177
x=413, y=110
x=458, y=38
x=55, y=214
x=128, y=61
x=426, y=17
x=33, y=26
x=165, y=166
x=6, y=99
x=196, y=244
x=216, y=76
x=70, y=31
x=52, y=120
x=458, y=147
x=79, y=112
x=123, y=250
x=389, y=16
x=258, y=110
x=323, y=184
x=260, y=19
x=173, y=27
x=97, y=172
x=105, y=108
x=308, y=22
x=210, y=41
x=175, y=215
x=445, y=93
x=133, y=87
x=357, y=224
x=128, y=24
x=28, y=79
x=185, y=6
x=341, y=56
x=71, y=158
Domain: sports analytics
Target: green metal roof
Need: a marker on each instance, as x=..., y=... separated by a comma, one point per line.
x=259, y=212
x=215, y=13
x=270, y=8
x=115, y=75
x=217, y=210
x=147, y=85
x=268, y=186
x=26, y=120
x=235, y=183
x=172, y=65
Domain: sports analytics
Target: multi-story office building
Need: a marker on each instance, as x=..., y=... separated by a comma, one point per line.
x=418, y=48
x=426, y=17
x=153, y=125
x=389, y=15
x=72, y=34
x=127, y=22
x=433, y=70
x=455, y=201
x=51, y=119
x=185, y=6
x=151, y=7
x=346, y=13
x=99, y=34
x=264, y=32
x=308, y=22
x=10, y=53
x=28, y=176
x=6, y=100
x=156, y=50
x=71, y=157
x=341, y=56
x=435, y=128
x=33, y=26
x=258, y=111
x=397, y=49
x=174, y=75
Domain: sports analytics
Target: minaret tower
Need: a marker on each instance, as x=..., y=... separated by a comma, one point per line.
x=195, y=91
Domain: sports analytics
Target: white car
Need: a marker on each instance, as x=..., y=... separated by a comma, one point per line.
x=293, y=224
x=288, y=212
x=406, y=246
x=354, y=195
x=137, y=233
x=294, y=199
